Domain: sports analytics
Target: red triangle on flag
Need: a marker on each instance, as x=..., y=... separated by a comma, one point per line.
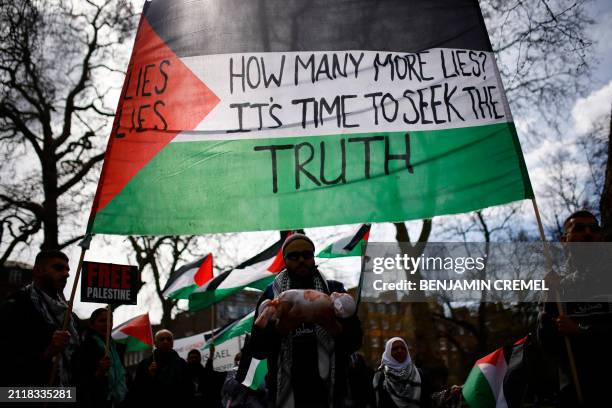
x=205, y=271
x=140, y=328
x=160, y=98
x=492, y=358
x=278, y=264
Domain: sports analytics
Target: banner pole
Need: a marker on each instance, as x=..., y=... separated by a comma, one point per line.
x=84, y=244
x=109, y=318
x=568, y=345
x=364, y=247
x=153, y=337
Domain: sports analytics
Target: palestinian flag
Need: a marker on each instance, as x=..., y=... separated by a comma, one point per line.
x=256, y=373
x=188, y=278
x=348, y=246
x=136, y=333
x=495, y=379
x=258, y=369
x=255, y=273
x=286, y=114
x=238, y=328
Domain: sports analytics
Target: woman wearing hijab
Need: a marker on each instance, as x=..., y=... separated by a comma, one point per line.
x=398, y=382
x=100, y=377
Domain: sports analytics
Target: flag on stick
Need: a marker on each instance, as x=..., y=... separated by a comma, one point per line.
x=256, y=273
x=185, y=280
x=258, y=369
x=136, y=333
x=256, y=373
x=491, y=382
x=351, y=245
x=238, y=328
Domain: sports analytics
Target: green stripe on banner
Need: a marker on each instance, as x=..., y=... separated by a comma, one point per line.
x=453, y=171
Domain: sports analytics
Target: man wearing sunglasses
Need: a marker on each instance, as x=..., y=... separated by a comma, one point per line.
x=587, y=321
x=306, y=362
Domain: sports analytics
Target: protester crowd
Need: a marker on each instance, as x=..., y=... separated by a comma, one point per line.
x=310, y=364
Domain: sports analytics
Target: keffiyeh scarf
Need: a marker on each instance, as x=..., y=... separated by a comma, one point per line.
x=325, y=348
x=402, y=380
x=52, y=310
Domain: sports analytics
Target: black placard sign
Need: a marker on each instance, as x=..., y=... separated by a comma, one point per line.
x=109, y=283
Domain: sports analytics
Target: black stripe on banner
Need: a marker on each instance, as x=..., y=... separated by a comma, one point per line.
x=204, y=27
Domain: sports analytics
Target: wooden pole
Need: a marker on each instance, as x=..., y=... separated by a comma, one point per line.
x=561, y=310
x=212, y=318
x=68, y=312
x=153, y=337
x=109, y=319
x=84, y=244
x=361, y=275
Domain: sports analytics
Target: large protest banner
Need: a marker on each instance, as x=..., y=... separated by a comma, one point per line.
x=284, y=114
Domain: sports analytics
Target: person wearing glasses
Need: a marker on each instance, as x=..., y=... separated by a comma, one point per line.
x=587, y=321
x=306, y=362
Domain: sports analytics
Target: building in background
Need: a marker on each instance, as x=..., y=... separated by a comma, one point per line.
x=13, y=276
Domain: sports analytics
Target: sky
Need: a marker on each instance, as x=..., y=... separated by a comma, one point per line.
x=587, y=109
x=597, y=104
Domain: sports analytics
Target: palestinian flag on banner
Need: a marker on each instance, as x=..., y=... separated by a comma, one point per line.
x=188, y=278
x=306, y=114
x=347, y=246
x=136, y=333
x=495, y=380
x=255, y=273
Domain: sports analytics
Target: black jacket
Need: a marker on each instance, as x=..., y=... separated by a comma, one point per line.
x=590, y=348
x=26, y=336
x=171, y=385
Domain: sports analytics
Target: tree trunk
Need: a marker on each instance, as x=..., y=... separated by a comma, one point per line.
x=50, y=221
x=426, y=334
x=167, y=306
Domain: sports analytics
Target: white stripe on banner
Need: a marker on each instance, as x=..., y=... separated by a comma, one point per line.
x=292, y=94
